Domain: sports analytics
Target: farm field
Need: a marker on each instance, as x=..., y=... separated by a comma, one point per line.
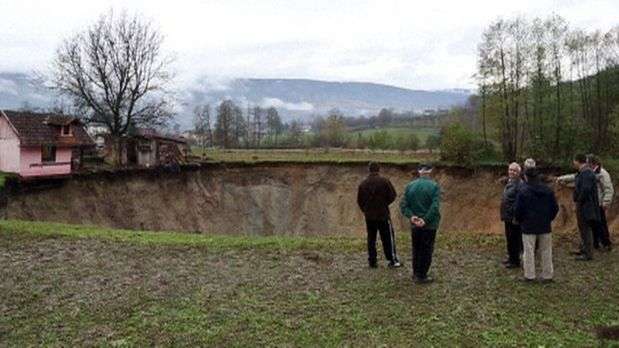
x=421, y=132
x=316, y=155
x=67, y=285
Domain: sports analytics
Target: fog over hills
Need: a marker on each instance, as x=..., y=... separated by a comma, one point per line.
x=294, y=98
x=301, y=98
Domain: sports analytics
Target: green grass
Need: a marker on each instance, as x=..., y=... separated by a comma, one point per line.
x=3, y=177
x=211, y=242
x=314, y=156
x=64, y=285
x=421, y=132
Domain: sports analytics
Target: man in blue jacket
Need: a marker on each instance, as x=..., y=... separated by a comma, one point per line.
x=536, y=207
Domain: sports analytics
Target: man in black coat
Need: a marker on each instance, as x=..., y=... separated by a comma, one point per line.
x=587, y=206
x=374, y=196
x=513, y=235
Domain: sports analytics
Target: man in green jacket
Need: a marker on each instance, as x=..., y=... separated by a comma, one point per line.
x=420, y=204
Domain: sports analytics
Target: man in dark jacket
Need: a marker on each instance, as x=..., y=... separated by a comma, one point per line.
x=587, y=206
x=536, y=207
x=374, y=196
x=513, y=236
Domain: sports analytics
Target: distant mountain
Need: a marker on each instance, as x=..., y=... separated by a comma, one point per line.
x=299, y=98
x=294, y=98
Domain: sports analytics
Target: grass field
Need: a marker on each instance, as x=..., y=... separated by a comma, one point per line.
x=3, y=177
x=63, y=285
x=316, y=155
x=421, y=132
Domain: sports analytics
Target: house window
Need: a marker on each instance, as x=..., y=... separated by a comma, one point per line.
x=48, y=153
x=66, y=130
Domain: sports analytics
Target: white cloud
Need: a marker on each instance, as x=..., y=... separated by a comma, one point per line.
x=415, y=44
x=280, y=104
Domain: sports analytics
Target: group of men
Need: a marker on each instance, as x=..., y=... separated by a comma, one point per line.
x=528, y=207
x=420, y=204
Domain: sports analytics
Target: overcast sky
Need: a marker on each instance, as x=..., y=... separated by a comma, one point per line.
x=415, y=44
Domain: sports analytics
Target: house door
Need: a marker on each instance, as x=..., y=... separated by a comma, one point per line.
x=132, y=154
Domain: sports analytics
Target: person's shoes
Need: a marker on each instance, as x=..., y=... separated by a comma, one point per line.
x=527, y=280
x=426, y=280
x=546, y=281
x=395, y=264
x=512, y=265
x=583, y=258
x=505, y=261
x=576, y=252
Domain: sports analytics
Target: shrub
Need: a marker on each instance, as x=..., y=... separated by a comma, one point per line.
x=458, y=145
x=379, y=140
x=433, y=142
x=406, y=142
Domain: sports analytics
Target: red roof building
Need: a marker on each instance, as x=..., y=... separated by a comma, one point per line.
x=35, y=144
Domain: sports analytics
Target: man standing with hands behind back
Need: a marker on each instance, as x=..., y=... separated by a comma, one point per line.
x=421, y=205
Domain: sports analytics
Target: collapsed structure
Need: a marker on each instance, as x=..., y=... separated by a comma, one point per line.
x=145, y=147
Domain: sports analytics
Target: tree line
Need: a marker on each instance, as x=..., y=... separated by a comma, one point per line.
x=229, y=126
x=547, y=90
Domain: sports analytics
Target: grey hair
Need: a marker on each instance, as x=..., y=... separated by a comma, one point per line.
x=529, y=163
x=515, y=165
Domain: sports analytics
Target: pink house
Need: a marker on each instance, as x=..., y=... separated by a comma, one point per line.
x=33, y=144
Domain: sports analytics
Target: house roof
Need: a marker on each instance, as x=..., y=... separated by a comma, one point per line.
x=35, y=129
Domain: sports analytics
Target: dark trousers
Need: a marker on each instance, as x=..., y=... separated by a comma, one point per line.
x=601, y=235
x=423, y=247
x=387, y=237
x=586, y=228
x=513, y=237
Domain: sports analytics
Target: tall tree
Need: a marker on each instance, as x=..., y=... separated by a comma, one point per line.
x=259, y=125
x=202, y=126
x=274, y=123
x=295, y=133
x=115, y=72
x=224, y=127
x=557, y=29
x=240, y=127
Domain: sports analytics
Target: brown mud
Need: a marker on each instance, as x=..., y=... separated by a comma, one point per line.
x=262, y=199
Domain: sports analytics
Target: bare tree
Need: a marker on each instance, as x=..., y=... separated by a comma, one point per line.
x=115, y=73
x=240, y=127
x=258, y=124
x=274, y=123
x=202, y=126
x=557, y=28
x=225, y=126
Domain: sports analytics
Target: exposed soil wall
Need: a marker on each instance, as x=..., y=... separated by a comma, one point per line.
x=291, y=199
